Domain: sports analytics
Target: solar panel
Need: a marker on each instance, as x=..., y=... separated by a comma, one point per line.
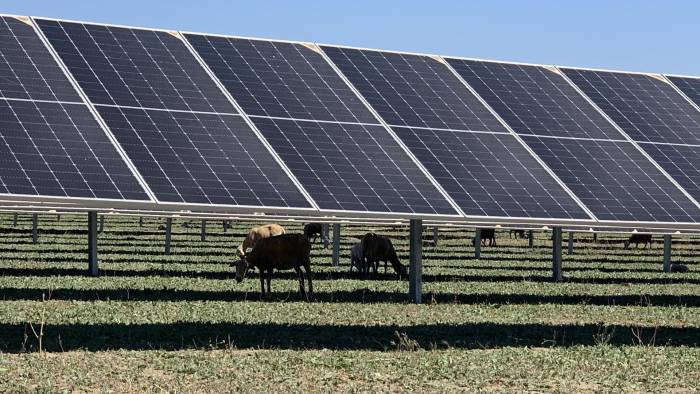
x=534, y=100
x=604, y=170
x=176, y=125
x=614, y=180
x=490, y=174
x=280, y=79
x=690, y=86
x=338, y=150
x=487, y=173
x=413, y=90
x=653, y=113
x=646, y=107
x=53, y=147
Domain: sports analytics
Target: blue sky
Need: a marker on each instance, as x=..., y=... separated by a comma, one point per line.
x=640, y=35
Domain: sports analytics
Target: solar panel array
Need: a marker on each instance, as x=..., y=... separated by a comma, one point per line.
x=648, y=108
x=327, y=136
x=273, y=125
x=597, y=162
x=485, y=170
x=50, y=143
x=178, y=128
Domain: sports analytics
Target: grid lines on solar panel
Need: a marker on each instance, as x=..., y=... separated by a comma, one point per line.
x=682, y=162
x=614, y=180
x=413, y=90
x=690, y=86
x=352, y=167
x=279, y=79
x=490, y=174
x=27, y=71
x=646, y=107
x=534, y=100
x=201, y=158
x=320, y=128
x=52, y=147
x=134, y=67
x=174, y=123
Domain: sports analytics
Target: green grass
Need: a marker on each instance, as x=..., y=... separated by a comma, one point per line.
x=152, y=322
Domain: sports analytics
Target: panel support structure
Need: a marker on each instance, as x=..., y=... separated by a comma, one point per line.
x=102, y=223
x=93, y=267
x=35, y=228
x=14, y=220
x=324, y=235
x=477, y=243
x=415, y=273
x=140, y=221
x=530, y=239
x=336, y=244
x=570, y=250
x=595, y=237
x=168, y=234
x=667, y=252
x=203, y=233
x=556, y=254
x=435, y=235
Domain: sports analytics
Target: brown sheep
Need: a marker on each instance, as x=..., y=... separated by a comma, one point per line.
x=283, y=252
x=256, y=234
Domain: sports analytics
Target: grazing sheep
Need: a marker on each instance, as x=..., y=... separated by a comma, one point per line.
x=517, y=233
x=636, y=239
x=256, y=234
x=376, y=248
x=486, y=233
x=282, y=252
x=312, y=231
x=357, y=258
x=679, y=268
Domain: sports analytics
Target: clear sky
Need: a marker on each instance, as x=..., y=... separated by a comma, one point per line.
x=653, y=36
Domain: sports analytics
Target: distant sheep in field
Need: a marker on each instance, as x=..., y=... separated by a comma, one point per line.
x=486, y=233
x=679, y=268
x=312, y=231
x=357, y=258
x=637, y=239
x=376, y=248
x=517, y=233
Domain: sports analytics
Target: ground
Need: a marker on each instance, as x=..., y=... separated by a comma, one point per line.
x=153, y=322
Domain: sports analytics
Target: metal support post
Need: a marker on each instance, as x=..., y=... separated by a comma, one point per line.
x=203, y=234
x=415, y=274
x=477, y=243
x=168, y=234
x=336, y=244
x=570, y=251
x=93, y=264
x=667, y=252
x=556, y=254
x=35, y=228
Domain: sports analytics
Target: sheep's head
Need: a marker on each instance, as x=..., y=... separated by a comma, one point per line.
x=242, y=266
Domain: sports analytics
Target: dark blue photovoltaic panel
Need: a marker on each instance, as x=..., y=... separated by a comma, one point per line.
x=27, y=69
x=681, y=162
x=535, y=100
x=201, y=158
x=134, y=67
x=647, y=108
x=280, y=79
x=413, y=90
x=614, y=180
x=690, y=86
x=352, y=167
x=55, y=149
x=490, y=174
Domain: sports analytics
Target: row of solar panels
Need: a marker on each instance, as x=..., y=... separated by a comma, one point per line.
x=133, y=116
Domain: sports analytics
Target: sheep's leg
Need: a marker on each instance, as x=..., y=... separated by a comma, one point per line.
x=301, y=281
x=309, y=275
x=262, y=283
x=269, y=279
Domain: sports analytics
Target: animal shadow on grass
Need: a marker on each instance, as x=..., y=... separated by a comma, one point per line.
x=195, y=335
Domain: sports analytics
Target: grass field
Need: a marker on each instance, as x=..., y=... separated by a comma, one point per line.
x=153, y=322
